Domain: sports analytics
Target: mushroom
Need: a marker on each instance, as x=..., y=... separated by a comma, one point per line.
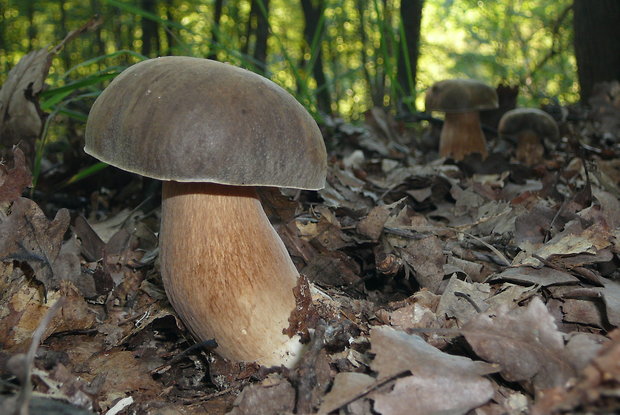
x=529, y=126
x=212, y=132
x=461, y=100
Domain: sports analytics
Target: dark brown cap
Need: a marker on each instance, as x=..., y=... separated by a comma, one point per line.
x=519, y=120
x=196, y=120
x=460, y=95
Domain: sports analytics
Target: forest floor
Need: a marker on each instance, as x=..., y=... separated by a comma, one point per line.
x=484, y=286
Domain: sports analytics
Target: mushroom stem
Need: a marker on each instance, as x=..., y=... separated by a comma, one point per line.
x=226, y=272
x=462, y=135
x=530, y=150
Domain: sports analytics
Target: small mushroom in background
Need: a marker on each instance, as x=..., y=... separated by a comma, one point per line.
x=461, y=100
x=529, y=127
x=212, y=132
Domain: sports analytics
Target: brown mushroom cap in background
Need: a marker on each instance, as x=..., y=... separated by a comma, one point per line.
x=460, y=95
x=196, y=120
x=522, y=119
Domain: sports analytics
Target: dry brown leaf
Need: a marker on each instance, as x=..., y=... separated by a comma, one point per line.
x=539, y=276
x=453, y=303
x=427, y=259
x=26, y=235
x=372, y=225
x=346, y=388
x=596, y=387
x=582, y=312
x=21, y=119
x=611, y=296
x=435, y=374
x=23, y=308
x=525, y=342
x=13, y=181
x=414, y=395
x=398, y=352
x=273, y=396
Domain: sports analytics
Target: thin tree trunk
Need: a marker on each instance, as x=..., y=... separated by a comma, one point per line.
x=262, y=33
x=66, y=56
x=217, y=17
x=312, y=15
x=411, y=18
x=249, y=28
x=169, y=30
x=597, y=49
x=4, y=44
x=32, y=29
x=99, y=44
x=150, y=38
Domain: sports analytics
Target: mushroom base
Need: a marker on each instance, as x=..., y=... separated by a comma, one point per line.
x=530, y=150
x=227, y=273
x=462, y=135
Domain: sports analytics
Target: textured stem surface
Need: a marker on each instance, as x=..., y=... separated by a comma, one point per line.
x=226, y=272
x=462, y=135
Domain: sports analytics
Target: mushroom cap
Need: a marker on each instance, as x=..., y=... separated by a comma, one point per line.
x=523, y=119
x=460, y=95
x=197, y=120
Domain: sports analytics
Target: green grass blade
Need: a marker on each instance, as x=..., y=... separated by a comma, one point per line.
x=85, y=173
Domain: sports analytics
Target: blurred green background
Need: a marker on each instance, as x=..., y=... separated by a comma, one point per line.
x=338, y=57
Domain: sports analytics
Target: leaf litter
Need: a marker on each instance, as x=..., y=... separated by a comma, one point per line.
x=433, y=287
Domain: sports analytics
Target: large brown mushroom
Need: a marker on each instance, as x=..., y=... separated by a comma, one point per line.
x=529, y=126
x=212, y=132
x=461, y=100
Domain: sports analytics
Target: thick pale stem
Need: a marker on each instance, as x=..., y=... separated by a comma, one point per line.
x=530, y=150
x=226, y=271
x=462, y=135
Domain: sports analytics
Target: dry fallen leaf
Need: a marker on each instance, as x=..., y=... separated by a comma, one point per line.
x=525, y=342
x=434, y=375
x=427, y=259
x=26, y=235
x=347, y=387
x=13, y=181
x=274, y=396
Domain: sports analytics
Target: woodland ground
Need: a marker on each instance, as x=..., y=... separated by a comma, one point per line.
x=481, y=287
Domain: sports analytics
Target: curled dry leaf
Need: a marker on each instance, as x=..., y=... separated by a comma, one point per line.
x=23, y=309
x=21, y=119
x=525, y=342
x=434, y=375
x=347, y=387
x=611, y=296
x=274, y=396
x=26, y=235
x=14, y=180
x=595, y=390
x=427, y=260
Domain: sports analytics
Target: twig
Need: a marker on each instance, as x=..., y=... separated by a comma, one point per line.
x=23, y=399
x=469, y=300
x=491, y=247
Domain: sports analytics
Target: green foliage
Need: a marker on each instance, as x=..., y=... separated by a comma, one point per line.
x=525, y=42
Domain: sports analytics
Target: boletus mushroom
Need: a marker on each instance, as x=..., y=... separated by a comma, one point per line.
x=529, y=126
x=461, y=100
x=212, y=132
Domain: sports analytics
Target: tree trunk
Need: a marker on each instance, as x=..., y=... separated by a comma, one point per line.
x=169, y=4
x=313, y=10
x=262, y=33
x=150, y=38
x=217, y=16
x=32, y=29
x=411, y=17
x=65, y=54
x=99, y=44
x=597, y=50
